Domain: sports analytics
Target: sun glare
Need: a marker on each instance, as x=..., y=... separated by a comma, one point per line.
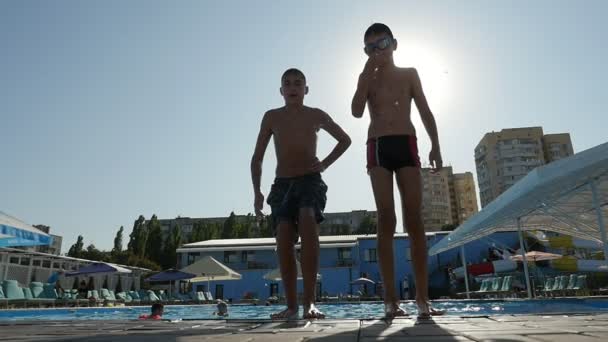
x=432, y=70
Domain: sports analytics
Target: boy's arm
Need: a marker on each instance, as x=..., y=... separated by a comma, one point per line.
x=338, y=133
x=427, y=119
x=360, y=97
x=256, y=162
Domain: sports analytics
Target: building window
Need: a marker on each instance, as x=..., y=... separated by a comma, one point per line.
x=14, y=260
x=230, y=257
x=46, y=263
x=369, y=255
x=247, y=256
x=344, y=253
x=192, y=257
x=37, y=263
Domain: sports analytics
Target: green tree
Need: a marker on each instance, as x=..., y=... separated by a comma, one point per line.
x=198, y=231
x=154, y=242
x=229, y=226
x=118, y=241
x=92, y=253
x=138, y=237
x=367, y=226
x=172, y=243
x=76, y=249
x=266, y=227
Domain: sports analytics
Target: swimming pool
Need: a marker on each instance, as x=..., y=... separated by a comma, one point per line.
x=338, y=311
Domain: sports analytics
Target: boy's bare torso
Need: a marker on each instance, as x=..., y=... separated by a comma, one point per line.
x=390, y=95
x=294, y=133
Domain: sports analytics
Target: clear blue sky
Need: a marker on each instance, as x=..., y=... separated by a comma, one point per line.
x=111, y=109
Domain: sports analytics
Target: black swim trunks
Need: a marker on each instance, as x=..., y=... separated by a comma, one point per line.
x=288, y=195
x=392, y=152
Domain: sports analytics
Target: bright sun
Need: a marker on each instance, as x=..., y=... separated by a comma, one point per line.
x=432, y=70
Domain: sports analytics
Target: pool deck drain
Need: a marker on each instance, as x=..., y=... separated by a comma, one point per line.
x=499, y=328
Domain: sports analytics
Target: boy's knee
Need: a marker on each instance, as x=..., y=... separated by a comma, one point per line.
x=387, y=220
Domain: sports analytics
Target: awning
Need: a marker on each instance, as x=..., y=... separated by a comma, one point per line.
x=16, y=233
x=555, y=197
x=98, y=268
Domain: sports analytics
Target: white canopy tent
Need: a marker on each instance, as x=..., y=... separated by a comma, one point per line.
x=568, y=196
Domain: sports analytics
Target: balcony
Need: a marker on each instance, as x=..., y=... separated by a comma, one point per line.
x=344, y=262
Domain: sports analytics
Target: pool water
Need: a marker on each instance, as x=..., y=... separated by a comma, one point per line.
x=338, y=311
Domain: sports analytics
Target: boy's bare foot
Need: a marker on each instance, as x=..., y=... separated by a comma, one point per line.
x=426, y=311
x=392, y=310
x=311, y=312
x=288, y=314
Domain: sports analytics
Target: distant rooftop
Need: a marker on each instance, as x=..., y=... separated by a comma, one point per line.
x=331, y=241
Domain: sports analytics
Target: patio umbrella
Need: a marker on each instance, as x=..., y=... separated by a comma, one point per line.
x=207, y=269
x=536, y=256
x=275, y=275
x=363, y=282
x=98, y=268
x=16, y=233
x=170, y=275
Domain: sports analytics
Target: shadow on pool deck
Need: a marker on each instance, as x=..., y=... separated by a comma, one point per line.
x=499, y=328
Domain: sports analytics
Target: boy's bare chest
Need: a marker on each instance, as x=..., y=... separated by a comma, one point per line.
x=295, y=125
x=388, y=89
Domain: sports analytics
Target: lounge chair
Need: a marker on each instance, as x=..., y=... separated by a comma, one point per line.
x=209, y=296
x=557, y=285
x=135, y=299
x=93, y=296
x=143, y=297
x=153, y=297
x=3, y=300
x=106, y=297
x=548, y=286
x=198, y=297
x=14, y=293
x=36, y=300
x=569, y=289
x=563, y=284
x=123, y=298
x=581, y=285
x=507, y=286
x=483, y=288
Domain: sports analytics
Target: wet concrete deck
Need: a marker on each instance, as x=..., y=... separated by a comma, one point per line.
x=503, y=328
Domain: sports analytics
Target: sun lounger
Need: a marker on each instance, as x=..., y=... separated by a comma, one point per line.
x=483, y=288
x=3, y=300
x=153, y=297
x=563, y=284
x=209, y=296
x=548, y=286
x=14, y=293
x=581, y=285
x=507, y=286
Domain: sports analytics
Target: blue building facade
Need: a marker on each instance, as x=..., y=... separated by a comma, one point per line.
x=342, y=260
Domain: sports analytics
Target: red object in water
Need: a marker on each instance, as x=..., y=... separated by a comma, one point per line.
x=150, y=317
x=479, y=269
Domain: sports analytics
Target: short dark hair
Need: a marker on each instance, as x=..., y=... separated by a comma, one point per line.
x=293, y=71
x=156, y=307
x=378, y=28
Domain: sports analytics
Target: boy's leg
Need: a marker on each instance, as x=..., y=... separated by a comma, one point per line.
x=309, y=233
x=286, y=235
x=382, y=185
x=409, y=181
